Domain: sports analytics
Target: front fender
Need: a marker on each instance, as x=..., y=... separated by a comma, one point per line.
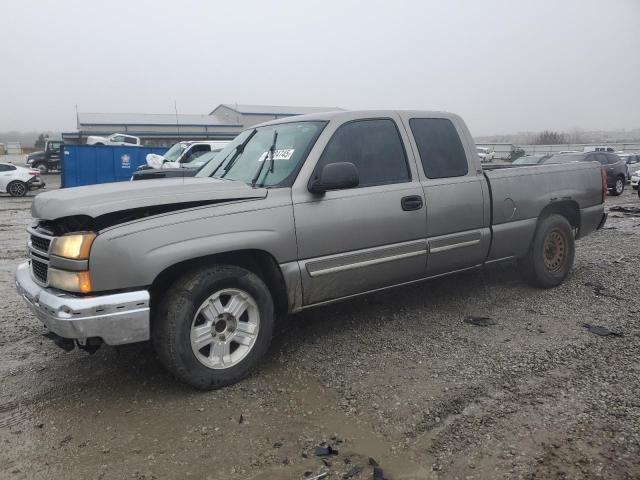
x=133, y=255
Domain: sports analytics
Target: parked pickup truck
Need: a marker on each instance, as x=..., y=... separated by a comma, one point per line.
x=115, y=139
x=299, y=212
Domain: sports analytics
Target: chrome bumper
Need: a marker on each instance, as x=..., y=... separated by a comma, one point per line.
x=118, y=318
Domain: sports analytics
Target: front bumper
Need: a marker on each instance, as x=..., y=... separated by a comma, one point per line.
x=117, y=318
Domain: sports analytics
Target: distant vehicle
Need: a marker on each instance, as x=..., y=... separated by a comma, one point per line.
x=530, y=160
x=635, y=179
x=485, y=154
x=598, y=148
x=115, y=139
x=184, y=152
x=17, y=181
x=615, y=168
x=631, y=159
x=47, y=160
x=186, y=170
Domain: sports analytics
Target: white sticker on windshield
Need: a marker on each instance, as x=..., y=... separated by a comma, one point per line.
x=284, y=154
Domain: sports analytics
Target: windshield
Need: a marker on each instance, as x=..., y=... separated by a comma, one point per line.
x=200, y=160
x=249, y=154
x=174, y=152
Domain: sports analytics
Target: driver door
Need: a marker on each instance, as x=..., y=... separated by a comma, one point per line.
x=364, y=238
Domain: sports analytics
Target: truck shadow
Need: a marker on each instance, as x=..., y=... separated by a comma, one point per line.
x=135, y=368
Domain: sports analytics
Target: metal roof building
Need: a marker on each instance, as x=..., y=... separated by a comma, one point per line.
x=223, y=123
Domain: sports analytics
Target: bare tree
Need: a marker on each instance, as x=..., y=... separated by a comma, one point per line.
x=549, y=138
x=40, y=141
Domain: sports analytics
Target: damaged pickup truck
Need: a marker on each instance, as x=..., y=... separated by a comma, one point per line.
x=300, y=212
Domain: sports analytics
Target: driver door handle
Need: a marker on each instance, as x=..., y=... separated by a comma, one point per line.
x=412, y=202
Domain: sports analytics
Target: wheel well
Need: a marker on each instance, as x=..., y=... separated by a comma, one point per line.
x=568, y=209
x=257, y=261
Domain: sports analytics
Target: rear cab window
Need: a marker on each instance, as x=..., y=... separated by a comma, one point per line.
x=440, y=148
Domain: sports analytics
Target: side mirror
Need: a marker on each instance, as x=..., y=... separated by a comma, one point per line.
x=335, y=176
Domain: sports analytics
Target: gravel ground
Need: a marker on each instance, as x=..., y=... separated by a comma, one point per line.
x=396, y=377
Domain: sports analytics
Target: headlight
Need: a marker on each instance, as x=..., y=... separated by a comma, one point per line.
x=75, y=246
x=69, y=281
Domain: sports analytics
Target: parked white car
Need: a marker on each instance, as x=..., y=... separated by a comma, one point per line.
x=17, y=181
x=485, y=154
x=635, y=179
x=115, y=139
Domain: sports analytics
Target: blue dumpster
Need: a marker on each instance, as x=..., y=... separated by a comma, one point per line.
x=90, y=164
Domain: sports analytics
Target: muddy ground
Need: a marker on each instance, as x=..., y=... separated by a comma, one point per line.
x=396, y=377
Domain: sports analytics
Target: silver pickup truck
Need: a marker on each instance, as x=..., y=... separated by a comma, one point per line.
x=299, y=212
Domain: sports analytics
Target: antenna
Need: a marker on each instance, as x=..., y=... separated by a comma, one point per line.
x=175, y=107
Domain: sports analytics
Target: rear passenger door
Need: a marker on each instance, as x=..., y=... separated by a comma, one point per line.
x=456, y=195
x=364, y=238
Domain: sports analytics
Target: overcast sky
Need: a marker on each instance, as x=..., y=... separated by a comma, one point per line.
x=505, y=66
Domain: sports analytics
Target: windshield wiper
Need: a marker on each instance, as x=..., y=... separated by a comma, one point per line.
x=271, y=153
x=236, y=153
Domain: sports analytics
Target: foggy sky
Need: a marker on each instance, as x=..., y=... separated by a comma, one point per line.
x=505, y=66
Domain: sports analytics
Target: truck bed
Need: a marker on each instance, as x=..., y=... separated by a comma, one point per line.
x=520, y=193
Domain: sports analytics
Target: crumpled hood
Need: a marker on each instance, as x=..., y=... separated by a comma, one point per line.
x=96, y=200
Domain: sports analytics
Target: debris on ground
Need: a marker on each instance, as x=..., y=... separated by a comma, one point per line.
x=633, y=211
x=318, y=477
x=324, y=451
x=378, y=474
x=600, y=290
x=353, y=472
x=602, y=331
x=479, y=321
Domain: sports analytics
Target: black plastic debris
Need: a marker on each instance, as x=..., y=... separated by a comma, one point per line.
x=601, y=331
x=625, y=210
x=373, y=463
x=378, y=473
x=324, y=451
x=353, y=472
x=479, y=321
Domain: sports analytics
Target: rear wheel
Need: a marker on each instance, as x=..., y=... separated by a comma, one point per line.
x=551, y=254
x=618, y=187
x=213, y=326
x=17, y=188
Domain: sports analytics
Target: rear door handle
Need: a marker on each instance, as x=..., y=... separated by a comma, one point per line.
x=412, y=202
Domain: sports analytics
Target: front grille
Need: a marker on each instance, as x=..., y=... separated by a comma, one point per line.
x=40, y=243
x=39, y=269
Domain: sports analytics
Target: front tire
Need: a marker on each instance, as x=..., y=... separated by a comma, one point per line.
x=618, y=187
x=213, y=326
x=42, y=167
x=551, y=254
x=17, y=188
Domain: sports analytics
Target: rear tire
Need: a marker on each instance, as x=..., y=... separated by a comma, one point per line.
x=17, y=188
x=618, y=187
x=213, y=326
x=551, y=254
